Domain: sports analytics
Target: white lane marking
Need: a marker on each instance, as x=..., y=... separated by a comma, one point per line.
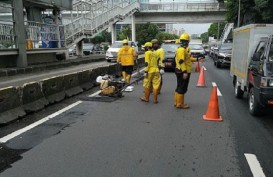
x=218, y=91
x=204, y=68
x=35, y=124
x=254, y=165
x=98, y=92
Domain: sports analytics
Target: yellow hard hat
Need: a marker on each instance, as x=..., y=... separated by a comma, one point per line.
x=125, y=41
x=148, y=44
x=185, y=36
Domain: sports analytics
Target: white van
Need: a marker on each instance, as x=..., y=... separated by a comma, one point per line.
x=112, y=52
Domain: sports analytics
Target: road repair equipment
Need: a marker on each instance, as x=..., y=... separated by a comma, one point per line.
x=201, y=80
x=213, y=107
x=110, y=86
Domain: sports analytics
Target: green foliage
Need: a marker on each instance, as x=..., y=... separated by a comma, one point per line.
x=205, y=37
x=102, y=37
x=146, y=32
x=166, y=36
x=125, y=33
x=252, y=11
x=213, y=29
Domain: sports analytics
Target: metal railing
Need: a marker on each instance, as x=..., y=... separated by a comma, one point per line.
x=181, y=7
x=93, y=19
x=7, y=37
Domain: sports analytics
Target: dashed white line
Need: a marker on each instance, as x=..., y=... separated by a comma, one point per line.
x=35, y=124
x=254, y=165
x=218, y=91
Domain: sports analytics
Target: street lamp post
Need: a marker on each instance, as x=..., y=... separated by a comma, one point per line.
x=239, y=13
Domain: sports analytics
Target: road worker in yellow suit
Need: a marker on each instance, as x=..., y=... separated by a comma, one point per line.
x=161, y=54
x=126, y=57
x=152, y=76
x=183, y=70
x=148, y=49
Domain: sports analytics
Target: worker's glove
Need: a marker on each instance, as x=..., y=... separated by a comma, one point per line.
x=161, y=71
x=145, y=74
x=185, y=76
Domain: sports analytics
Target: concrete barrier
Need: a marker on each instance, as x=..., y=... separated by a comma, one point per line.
x=86, y=79
x=71, y=84
x=32, y=97
x=10, y=105
x=53, y=89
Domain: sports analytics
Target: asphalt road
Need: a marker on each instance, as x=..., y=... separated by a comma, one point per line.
x=129, y=138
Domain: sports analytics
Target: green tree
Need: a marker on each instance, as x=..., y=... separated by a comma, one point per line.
x=146, y=32
x=252, y=11
x=205, y=37
x=125, y=33
x=165, y=36
x=213, y=29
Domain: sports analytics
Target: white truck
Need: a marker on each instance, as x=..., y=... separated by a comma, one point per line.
x=252, y=65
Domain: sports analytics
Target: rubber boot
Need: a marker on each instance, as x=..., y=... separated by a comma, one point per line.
x=128, y=79
x=175, y=99
x=146, y=96
x=124, y=76
x=155, y=96
x=180, y=102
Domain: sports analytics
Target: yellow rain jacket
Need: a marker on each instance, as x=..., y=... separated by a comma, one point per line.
x=126, y=56
x=160, y=52
x=152, y=61
x=182, y=54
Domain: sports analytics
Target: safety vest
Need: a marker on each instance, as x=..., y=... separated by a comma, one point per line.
x=126, y=56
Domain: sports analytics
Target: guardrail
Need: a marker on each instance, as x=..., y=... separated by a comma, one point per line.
x=181, y=7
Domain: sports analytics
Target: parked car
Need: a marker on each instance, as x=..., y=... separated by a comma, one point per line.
x=169, y=60
x=72, y=51
x=88, y=48
x=213, y=49
x=223, y=55
x=112, y=52
x=206, y=48
x=197, y=50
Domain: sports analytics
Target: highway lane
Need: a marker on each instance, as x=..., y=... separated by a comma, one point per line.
x=252, y=134
x=131, y=138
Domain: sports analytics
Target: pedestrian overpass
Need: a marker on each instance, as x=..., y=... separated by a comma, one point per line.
x=86, y=18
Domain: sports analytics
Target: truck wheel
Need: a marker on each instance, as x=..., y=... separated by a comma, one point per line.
x=237, y=91
x=254, y=106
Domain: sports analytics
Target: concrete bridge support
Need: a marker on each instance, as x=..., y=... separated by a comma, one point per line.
x=18, y=18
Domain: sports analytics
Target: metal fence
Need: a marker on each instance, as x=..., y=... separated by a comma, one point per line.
x=181, y=7
x=7, y=37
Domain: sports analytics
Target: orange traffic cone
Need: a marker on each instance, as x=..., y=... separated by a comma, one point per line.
x=197, y=67
x=201, y=80
x=213, y=108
